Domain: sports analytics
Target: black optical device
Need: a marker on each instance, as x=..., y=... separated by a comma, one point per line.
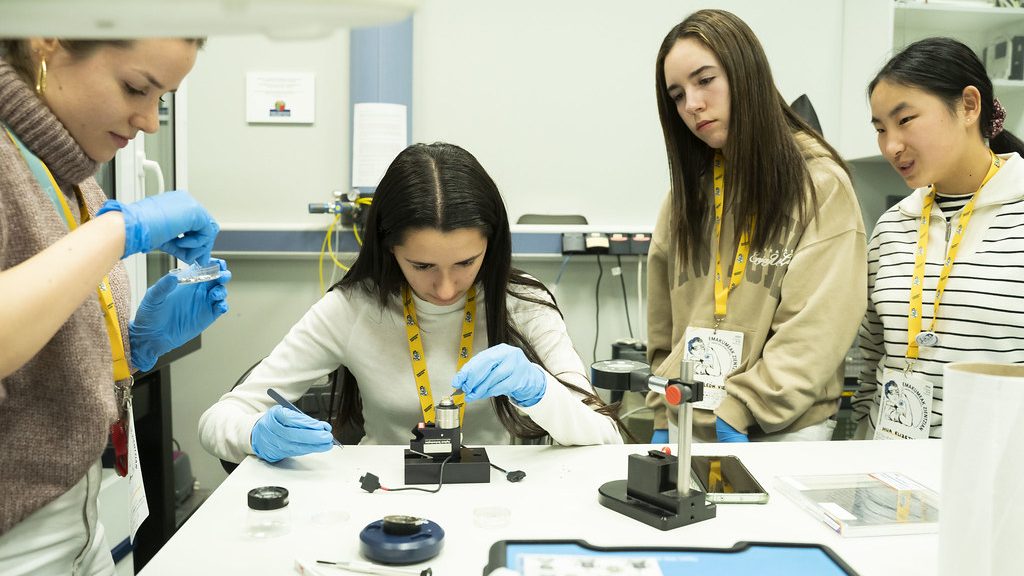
x=437, y=446
x=654, y=492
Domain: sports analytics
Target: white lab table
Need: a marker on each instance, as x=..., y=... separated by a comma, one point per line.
x=557, y=499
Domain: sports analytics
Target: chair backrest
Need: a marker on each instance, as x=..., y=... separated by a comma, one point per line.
x=552, y=219
x=804, y=109
x=321, y=401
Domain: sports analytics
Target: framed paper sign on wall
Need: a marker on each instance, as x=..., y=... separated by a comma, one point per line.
x=280, y=98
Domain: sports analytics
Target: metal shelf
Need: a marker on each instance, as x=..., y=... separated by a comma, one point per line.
x=960, y=17
x=1008, y=86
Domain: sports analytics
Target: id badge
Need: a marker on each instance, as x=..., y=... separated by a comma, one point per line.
x=905, y=409
x=139, y=506
x=715, y=354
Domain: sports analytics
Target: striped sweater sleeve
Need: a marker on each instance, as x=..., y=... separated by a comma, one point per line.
x=870, y=339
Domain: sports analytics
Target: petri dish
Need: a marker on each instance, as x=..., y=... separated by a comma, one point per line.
x=195, y=273
x=491, y=516
x=330, y=517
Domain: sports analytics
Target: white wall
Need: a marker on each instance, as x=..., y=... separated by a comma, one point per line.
x=267, y=173
x=246, y=174
x=554, y=98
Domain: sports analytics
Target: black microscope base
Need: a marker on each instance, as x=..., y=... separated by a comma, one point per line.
x=694, y=507
x=471, y=468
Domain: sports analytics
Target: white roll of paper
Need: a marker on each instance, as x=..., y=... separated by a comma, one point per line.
x=981, y=523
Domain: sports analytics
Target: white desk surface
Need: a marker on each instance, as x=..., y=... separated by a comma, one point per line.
x=557, y=499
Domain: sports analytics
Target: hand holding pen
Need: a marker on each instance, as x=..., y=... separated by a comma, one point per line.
x=285, y=431
x=281, y=400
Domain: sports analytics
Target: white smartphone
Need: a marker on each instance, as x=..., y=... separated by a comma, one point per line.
x=726, y=480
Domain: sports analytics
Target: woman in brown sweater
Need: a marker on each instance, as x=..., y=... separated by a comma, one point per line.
x=65, y=340
x=757, y=260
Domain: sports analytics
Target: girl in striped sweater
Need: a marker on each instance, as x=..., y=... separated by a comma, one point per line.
x=945, y=265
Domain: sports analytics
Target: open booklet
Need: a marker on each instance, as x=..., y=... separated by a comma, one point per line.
x=874, y=504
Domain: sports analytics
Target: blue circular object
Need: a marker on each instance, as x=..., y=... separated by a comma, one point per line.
x=388, y=548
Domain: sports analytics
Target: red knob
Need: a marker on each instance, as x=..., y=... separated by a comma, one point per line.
x=674, y=394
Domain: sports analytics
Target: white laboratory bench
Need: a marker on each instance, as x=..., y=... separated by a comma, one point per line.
x=556, y=500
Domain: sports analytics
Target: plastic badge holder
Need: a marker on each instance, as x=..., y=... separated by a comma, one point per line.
x=196, y=273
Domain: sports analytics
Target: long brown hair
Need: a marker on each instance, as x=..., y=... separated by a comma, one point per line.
x=443, y=187
x=767, y=169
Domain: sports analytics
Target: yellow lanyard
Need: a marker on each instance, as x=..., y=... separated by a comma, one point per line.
x=419, y=358
x=740, y=263
x=917, y=283
x=121, y=369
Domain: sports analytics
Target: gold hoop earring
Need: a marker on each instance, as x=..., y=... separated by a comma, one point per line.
x=41, y=77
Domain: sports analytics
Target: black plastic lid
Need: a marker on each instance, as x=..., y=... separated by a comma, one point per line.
x=268, y=498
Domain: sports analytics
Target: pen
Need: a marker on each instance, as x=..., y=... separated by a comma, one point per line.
x=368, y=568
x=284, y=402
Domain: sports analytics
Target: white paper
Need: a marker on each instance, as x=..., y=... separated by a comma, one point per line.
x=897, y=481
x=280, y=97
x=982, y=498
x=139, y=507
x=379, y=133
x=588, y=565
x=715, y=354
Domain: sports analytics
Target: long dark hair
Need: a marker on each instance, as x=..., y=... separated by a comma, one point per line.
x=443, y=187
x=766, y=167
x=943, y=67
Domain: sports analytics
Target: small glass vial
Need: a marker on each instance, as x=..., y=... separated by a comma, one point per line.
x=268, y=516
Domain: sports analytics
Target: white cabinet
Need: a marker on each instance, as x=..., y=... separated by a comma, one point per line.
x=874, y=30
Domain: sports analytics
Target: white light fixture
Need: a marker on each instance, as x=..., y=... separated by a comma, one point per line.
x=193, y=18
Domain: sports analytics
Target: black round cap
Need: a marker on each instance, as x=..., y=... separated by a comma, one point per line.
x=268, y=498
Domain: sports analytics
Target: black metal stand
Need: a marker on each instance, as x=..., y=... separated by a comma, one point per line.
x=471, y=467
x=649, y=494
x=656, y=491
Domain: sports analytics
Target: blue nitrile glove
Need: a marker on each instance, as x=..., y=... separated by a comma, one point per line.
x=502, y=370
x=281, y=433
x=156, y=222
x=727, y=433
x=171, y=314
x=660, y=436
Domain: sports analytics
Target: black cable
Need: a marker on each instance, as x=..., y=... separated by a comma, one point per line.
x=513, y=476
x=440, y=479
x=625, y=301
x=597, y=306
x=371, y=483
